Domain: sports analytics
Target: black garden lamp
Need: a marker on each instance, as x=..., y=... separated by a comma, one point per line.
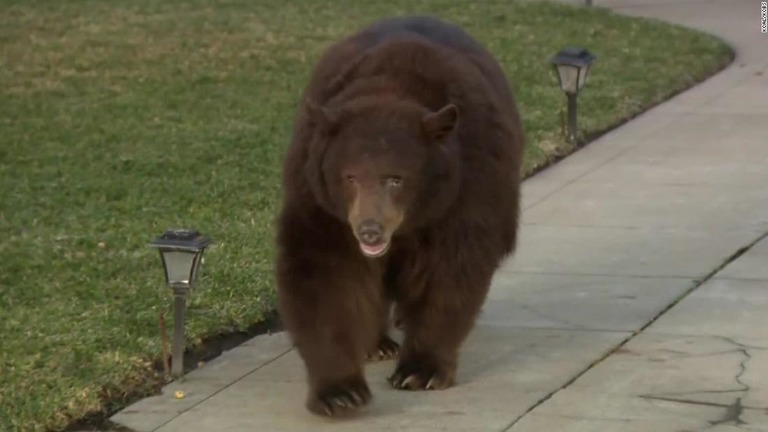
x=181, y=251
x=572, y=67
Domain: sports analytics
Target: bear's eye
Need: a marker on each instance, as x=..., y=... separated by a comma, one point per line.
x=394, y=181
x=350, y=179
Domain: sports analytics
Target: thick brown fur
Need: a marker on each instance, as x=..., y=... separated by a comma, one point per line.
x=407, y=139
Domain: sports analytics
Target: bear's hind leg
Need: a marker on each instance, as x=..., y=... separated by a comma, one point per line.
x=386, y=348
x=435, y=327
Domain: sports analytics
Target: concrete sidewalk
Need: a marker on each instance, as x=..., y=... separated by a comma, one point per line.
x=569, y=339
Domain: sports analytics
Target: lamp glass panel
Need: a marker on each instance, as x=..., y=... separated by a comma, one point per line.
x=569, y=77
x=196, y=265
x=583, y=76
x=178, y=266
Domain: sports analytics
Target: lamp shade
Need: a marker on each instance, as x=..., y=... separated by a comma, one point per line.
x=572, y=67
x=181, y=251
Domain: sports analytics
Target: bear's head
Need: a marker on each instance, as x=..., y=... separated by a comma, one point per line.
x=385, y=166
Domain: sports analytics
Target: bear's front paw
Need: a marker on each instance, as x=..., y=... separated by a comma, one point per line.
x=387, y=349
x=415, y=376
x=340, y=398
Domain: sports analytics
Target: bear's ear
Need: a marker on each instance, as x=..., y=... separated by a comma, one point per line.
x=439, y=124
x=320, y=116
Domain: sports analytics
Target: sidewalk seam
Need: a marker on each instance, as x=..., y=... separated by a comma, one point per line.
x=697, y=283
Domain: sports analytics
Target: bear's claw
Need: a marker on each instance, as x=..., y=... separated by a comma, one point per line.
x=387, y=349
x=421, y=378
x=340, y=400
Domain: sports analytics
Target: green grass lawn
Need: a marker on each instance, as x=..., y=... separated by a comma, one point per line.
x=119, y=119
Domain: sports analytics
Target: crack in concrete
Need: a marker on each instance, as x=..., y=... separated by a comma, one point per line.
x=733, y=411
x=683, y=401
x=703, y=403
x=685, y=355
x=732, y=415
x=667, y=395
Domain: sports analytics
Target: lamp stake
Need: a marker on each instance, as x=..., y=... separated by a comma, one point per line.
x=572, y=126
x=179, y=310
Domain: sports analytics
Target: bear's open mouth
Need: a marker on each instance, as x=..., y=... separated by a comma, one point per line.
x=375, y=250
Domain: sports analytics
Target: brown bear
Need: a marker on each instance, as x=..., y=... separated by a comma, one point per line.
x=401, y=186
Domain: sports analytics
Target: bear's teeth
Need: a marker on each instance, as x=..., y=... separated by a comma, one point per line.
x=374, y=251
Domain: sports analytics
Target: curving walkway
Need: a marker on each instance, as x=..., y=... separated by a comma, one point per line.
x=583, y=330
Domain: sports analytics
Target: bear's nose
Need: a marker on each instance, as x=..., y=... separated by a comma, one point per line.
x=370, y=232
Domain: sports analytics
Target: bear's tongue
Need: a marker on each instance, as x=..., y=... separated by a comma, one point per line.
x=374, y=251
